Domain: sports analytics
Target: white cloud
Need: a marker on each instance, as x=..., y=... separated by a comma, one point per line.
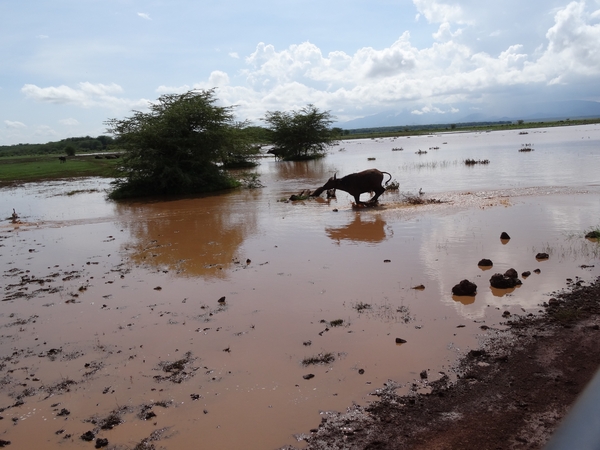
x=14, y=124
x=441, y=76
x=45, y=131
x=573, y=42
x=234, y=55
x=86, y=95
x=69, y=122
x=144, y=16
x=439, y=12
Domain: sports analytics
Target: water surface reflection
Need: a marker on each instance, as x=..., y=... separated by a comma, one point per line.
x=192, y=237
x=288, y=270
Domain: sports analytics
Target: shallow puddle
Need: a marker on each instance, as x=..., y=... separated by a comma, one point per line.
x=185, y=323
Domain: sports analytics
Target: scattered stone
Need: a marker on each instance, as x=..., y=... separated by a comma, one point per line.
x=361, y=371
x=504, y=235
x=526, y=274
x=195, y=396
x=500, y=281
x=221, y=300
x=307, y=343
x=537, y=271
x=4, y=443
x=308, y=376
x=542, y=256
x=485, y=263
x=477, y=353
x=157, y=288
x=400, y=341
x=423, y=375
x=387, y=260
x=511, y=273
x=465, y=287
x=101, y=442
x=64, y=412
x=419, y=287
x=88, y=436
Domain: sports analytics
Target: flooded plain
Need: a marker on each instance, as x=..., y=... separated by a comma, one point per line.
x=231, y=321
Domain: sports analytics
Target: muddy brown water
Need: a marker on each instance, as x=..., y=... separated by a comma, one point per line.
x=111, y=310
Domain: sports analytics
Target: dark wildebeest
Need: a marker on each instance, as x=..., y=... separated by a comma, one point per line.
x=357, y=183
x=62, y=159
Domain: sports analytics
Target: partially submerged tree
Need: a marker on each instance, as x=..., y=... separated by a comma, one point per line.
x=180, y=146
x=303, y=134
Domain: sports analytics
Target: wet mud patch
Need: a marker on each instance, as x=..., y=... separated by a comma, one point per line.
x=513, y=390
x=177, y=371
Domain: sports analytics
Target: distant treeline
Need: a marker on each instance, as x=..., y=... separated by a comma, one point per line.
x=413, y=128
x=72, y=145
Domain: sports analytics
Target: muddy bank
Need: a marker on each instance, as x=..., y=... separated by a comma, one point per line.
x=511, y=393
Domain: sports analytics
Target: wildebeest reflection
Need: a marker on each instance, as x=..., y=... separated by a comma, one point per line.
x=357, y=183
x=371, y=230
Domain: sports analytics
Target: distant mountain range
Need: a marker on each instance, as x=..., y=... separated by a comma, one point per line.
x=560, y=110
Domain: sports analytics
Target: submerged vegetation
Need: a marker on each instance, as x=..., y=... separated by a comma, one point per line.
x=472, y=162
x=321, y=358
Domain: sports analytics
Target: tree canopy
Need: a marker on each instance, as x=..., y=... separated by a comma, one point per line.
x=302, y=134
x=180, y=146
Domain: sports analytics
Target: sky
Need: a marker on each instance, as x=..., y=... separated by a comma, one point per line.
x=67, y=66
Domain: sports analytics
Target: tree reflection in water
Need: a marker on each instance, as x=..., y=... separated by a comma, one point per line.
x=192, y=236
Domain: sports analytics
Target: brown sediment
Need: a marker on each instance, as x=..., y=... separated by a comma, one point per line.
x=511, y=393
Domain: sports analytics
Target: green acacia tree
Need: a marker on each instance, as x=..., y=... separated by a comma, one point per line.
x=180, y=146
x=303, y=134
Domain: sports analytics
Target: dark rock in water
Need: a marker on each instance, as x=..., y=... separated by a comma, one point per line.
x=476, y=353
x=222, y=300
x=465, y=287
x=526, y=274
x=101, y=442
x=504, y=235
x=511, y=273
x=485, y=263
x=542, y=256
x=537, y=271
x=593, y=235
x=308, y=376
x=361, y=371
x=423, y=375
x=400, y=341
x=88, y=436
x=500, y=281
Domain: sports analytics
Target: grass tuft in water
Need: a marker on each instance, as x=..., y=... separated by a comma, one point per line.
x=321, y=358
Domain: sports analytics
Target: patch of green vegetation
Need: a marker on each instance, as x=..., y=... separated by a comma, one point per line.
x=417, y=130
x=69, y=146
x=594, y=233
x=321, y=358
x=40, y=168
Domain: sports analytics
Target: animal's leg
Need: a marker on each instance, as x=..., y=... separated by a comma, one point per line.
x=378, y=192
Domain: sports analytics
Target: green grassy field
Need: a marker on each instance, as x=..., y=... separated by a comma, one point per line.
x=39, y=168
